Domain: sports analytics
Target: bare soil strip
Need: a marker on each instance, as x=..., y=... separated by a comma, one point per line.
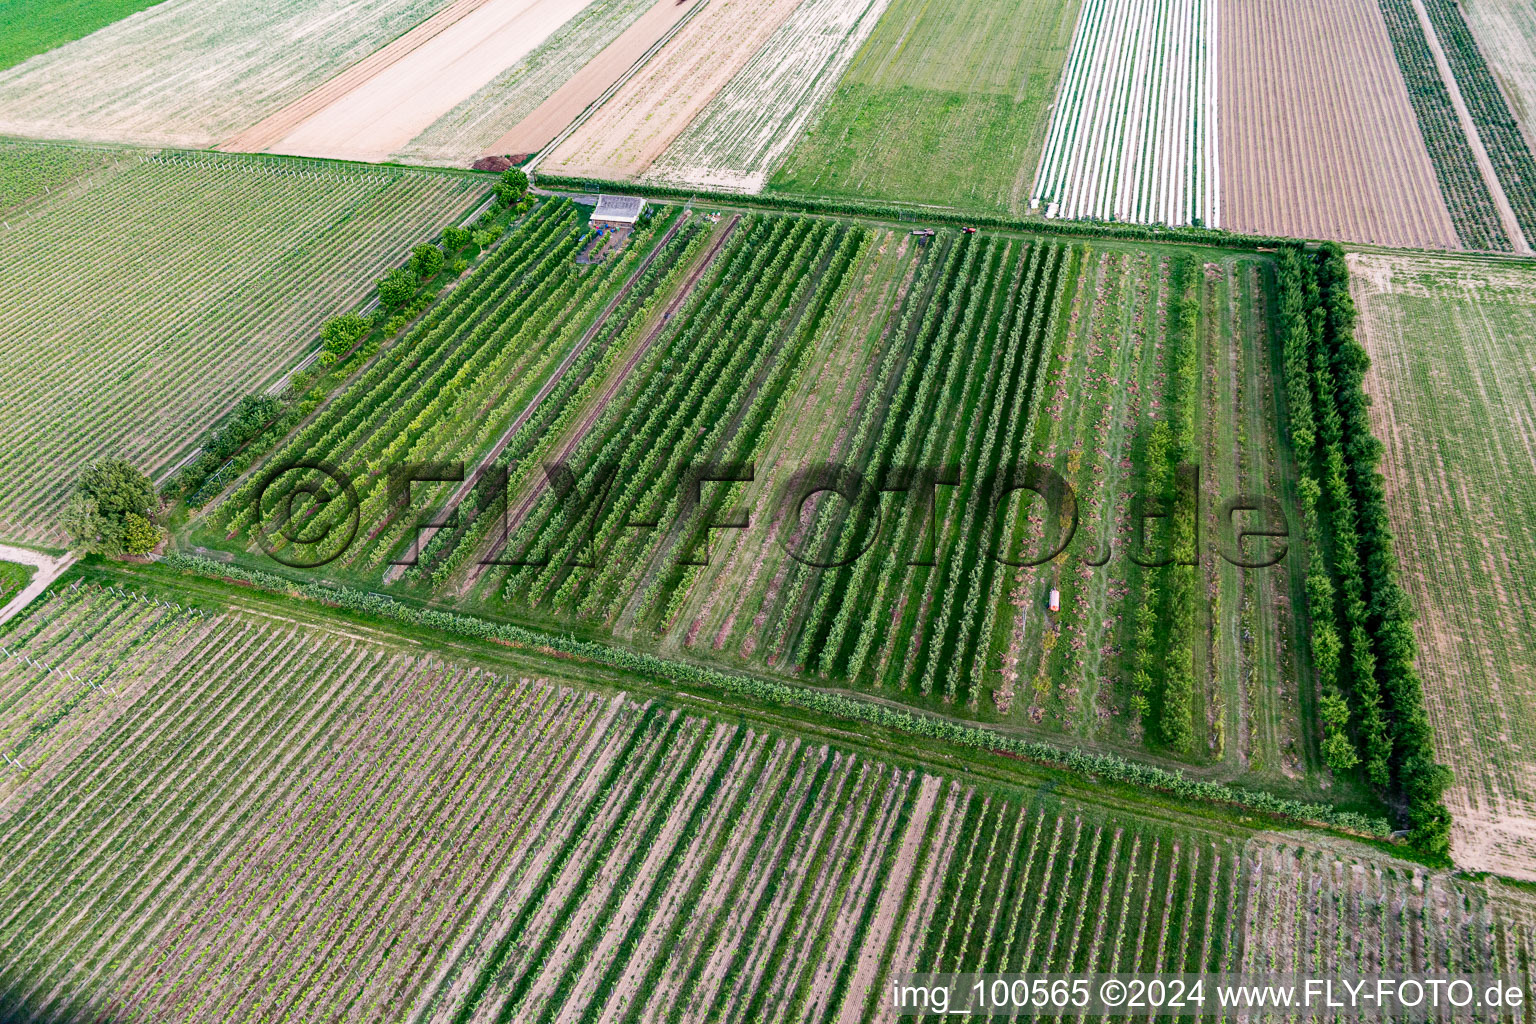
x=384, y=113
x=266, y=132
x=1318, y=137
x=870, y=956
x=588, y=85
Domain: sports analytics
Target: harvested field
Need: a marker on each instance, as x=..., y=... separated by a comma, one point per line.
x=457, y=844
x=1318, y=135
x=1134, y=132
x=738, y=140
x=1453, y=380
x=640, y=121
x=194, y=72
x=141, y=302
x=544, y=123
x=382, y=114
x=474, y=125
x=944, y=105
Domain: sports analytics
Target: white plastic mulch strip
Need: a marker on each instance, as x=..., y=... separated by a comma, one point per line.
x=1133, y=137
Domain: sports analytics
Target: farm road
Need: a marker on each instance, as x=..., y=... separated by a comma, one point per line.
x=49, y=568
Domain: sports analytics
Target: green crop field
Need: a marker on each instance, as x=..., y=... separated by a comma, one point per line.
x=850, y=507
x=13, y=579
x=461, y=384
x=29, y=27
x=997, y=477
x=140, y=301
x=204, y=805
x=1113, y=365
x=29, y=172
x=942, y=106
x=1453, y=380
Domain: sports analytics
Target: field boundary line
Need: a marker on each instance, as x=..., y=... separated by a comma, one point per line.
x=612, y=90
x=1469, y=129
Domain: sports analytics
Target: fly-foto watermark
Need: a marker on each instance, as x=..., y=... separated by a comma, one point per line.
x=308, y=514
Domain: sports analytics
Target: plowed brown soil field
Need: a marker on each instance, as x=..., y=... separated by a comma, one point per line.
x=1318, y=138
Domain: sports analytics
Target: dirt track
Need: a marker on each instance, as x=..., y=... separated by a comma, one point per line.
x=48, y=568
x=1318, y=138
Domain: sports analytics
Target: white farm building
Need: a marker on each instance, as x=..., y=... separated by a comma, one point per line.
x=617, y=211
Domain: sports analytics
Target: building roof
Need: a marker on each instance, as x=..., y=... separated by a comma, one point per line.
x=618, y=208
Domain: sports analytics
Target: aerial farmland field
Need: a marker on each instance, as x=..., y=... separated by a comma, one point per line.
x=1465, y=183
x=1508, y=151
x=942, y=106
x=1453, y=382
x=789, y=512
x=630, y=130
x=1353, y=167
x=378, y=114
x=856, y=345
x=740, y=138
x=649, y=863
x=143, y=297
x=1506, y=32
x=192, y=72
x=1134, y=131
x=30, y=27
x=478, y=125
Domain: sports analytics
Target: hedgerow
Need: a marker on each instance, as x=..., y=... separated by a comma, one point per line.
x=1363, y=644
x=1107, y=767
x=923, y=215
